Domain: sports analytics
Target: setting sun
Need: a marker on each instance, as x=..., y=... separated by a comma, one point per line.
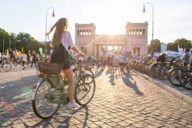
x=109, y=18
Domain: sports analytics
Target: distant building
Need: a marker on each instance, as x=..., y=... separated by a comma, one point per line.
x=133, y=41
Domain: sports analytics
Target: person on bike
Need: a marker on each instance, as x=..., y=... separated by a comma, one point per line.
x=121, y=60
x=162, y=58
x=62, y=43
x=186, y=57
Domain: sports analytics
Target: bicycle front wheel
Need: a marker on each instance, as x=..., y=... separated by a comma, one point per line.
x=85, y=90
x=42, y=103
x=7, y=67
x=186, y=80
x=175, y=76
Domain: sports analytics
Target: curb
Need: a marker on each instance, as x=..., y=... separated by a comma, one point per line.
x=173, y=91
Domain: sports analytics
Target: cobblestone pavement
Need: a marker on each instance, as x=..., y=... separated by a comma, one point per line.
x=180, y=89
x=129, y=101
x=180, y=92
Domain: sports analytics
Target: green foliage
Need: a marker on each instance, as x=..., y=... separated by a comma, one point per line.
x=154, y=46
x=172, y=46
x=20, y=41
x=182, y=43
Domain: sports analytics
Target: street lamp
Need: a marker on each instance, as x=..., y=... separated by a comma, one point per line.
x=53, y=14
x=149, y=3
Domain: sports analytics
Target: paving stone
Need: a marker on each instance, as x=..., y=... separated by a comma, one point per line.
x=132, y=102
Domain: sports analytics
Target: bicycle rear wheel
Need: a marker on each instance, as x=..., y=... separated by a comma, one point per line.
x=85, y=90
x=43, y=104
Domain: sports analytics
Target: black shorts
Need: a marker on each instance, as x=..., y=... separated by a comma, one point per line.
x=121, y=64
x=59, y=55
x=66, y=66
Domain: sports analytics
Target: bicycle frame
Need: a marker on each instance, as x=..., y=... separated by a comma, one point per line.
x=56, y=81
x=50, y=92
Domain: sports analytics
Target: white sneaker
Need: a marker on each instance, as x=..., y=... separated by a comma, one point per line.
x=71, y=105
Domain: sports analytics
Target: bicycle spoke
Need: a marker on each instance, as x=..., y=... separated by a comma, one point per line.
x=42, y=105
x=85, y=90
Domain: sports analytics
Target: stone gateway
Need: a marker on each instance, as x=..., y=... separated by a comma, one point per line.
x=134, y=41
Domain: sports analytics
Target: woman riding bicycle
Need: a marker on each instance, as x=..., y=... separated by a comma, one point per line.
x=62, y=43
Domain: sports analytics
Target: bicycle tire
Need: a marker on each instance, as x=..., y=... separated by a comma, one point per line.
x=7, y=67
x=87, y=71
x=83, y=86
x=45, y=106
x=186, y=82
x=175, y=74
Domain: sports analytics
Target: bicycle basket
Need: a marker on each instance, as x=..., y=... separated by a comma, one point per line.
x=49, y=68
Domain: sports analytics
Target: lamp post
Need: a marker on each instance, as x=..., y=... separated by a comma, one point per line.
x=149, y=3
x=53, y=14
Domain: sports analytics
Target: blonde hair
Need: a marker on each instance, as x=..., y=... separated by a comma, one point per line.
x=60, y=27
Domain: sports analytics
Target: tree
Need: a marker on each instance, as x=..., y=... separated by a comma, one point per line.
x=4, y=40
x=25, y=41
x=183, y=43
x=20, y=41
x=13, y=40
x=172, y=46
x=155, y=45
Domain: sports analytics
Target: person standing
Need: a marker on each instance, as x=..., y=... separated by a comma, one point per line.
x=28, y=57
x=186, y=57
x=34, y=59
x=24, y=59
x=62, y=43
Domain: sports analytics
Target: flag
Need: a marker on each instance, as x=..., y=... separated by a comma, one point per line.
x=41, y=51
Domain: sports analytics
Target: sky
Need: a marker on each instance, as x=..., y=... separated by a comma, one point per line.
x=172, y=18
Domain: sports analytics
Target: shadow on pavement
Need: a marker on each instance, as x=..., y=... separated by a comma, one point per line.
x=112, y=78
x=78, y=113
x=130, y=82
x=63, y=121
x=16, y=107
x=98, y=72
x=15, y=99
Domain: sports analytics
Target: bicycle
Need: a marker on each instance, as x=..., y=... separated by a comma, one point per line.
x=186, y=80
x=175, y=73
x=5, y=65
x=51, y=90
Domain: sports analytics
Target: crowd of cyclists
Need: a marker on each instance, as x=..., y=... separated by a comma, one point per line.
x=113, y=62
x=20, y=58
x=30, y=58
x=156, y=67
x=163, y=67
x=121, y=61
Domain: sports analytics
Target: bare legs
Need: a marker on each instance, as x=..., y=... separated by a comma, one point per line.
x=68, y=74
